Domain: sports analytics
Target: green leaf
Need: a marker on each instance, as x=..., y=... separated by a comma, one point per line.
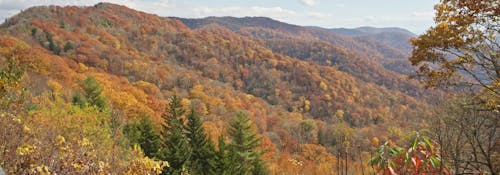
x=414, y=144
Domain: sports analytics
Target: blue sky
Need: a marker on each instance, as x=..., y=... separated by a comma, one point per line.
x=414, y=15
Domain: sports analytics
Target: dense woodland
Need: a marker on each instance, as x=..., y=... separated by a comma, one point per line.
x=107, y=89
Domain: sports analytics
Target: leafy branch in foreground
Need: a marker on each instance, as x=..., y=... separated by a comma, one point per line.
x=420, y=157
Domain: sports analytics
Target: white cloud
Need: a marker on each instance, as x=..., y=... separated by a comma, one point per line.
x=426, y=15
x=320, y=16
x=309, y=2
x=369, y=19
x=340, y=5
x=273, y=12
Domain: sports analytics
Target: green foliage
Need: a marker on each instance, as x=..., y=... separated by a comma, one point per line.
x=93, y=92
x=103, y=22
x=92, y=95
x=53, y=46
x=175, y=146
x=10, y=79
x=203, y=155
x=68, y=46
x=34, y=31
x=79, y=100
x=62, y=25
x=245, y=142
x=144, y=135
x=226, y=159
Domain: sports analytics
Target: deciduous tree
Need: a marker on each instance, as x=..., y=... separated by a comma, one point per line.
x=463, y=49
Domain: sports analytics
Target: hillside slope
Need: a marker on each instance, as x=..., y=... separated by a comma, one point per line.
x=362, y=56
x=141, y=60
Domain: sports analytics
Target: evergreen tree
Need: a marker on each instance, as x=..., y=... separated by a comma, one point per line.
x=52, y=45
x=68, y=46
x=245, y=142
x=93, y=91
x=91, y=95
x=175, y=146
x=79, y=100
x=144, y=135
x=202, y=157
x=226, y=160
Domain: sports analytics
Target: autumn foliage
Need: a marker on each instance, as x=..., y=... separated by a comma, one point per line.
x=90, y=72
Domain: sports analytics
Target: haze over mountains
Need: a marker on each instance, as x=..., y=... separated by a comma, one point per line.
x=301, y=86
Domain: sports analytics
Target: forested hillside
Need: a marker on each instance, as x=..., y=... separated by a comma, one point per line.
x=388, y=48
x=105, y=88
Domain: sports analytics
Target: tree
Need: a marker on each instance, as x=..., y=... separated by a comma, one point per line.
x=468, y=136
x=202, y=157
x=68, y=46
x=175, y=145
x=463, y=49
x=144, y=135
x=10, y=80
x=91, y=94
x=245, y=142
x=52, y=44
x=226, y=159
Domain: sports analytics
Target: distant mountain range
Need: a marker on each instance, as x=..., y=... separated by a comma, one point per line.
x=393, y=36
x=387, y=46
x=371, y=31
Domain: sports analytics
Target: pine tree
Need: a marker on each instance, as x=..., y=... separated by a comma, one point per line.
x=91, y=94
x=68, y=46
x=226, y=159
x=150, y=141
x=245, y=142
x=202, y=157
x=144, y=135
x=175, y=146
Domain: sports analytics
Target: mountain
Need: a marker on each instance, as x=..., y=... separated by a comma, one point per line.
x=303, y=88
x=368, y=59
x=371, y=31
x=392, y=36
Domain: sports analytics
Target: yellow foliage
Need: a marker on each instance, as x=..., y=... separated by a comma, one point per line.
x=186, y=103
x=26, y=149
x=375, y=141
x=42, y=170
x=307, y=105
x=213, y=132
x=339, y=113
x=55, y=86
x=116, y=44
x=85, y=142
x=144, y=165
x=328, y=97
x=82, y=68
x=60, y=140
x=323, y=86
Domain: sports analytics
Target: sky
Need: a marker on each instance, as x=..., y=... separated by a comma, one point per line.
x=414, y=15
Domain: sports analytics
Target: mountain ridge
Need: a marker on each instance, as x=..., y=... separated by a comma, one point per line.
x=283, y=83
